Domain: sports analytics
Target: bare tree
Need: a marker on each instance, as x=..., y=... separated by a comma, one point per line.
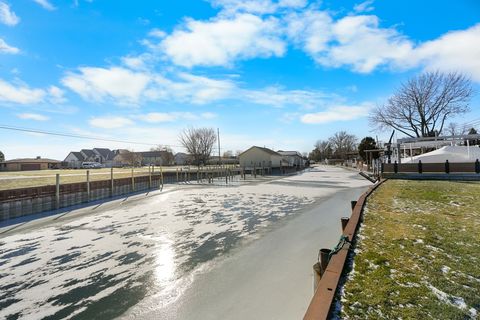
x=2, y=156
x=199, y=143
x=227, y=154
x=322, y=150
x=342, y=143
x=420, y=107
x=167, y=154
x=131, y=158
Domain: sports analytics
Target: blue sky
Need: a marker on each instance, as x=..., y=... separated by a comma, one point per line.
x=280, y=74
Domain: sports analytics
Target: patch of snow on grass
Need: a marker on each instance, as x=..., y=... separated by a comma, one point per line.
x=455, y=301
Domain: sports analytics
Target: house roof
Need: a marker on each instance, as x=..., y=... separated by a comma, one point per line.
x=78, y=155
x=269, y=151
x=289, y=153
x=88, y=152
x=32, y=160
x=152, y=154
x=107, y=154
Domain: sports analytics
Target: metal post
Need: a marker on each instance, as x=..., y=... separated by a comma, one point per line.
x=57, y=191
x=344, y=221
x=133, y=181
x=149, y=177
x=353, y=203
x=111, y=182
x=324, y=257
x=161, y=176
x=316, y=276
x=88, y=185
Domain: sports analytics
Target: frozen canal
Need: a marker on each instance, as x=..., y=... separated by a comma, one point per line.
x=190, y=252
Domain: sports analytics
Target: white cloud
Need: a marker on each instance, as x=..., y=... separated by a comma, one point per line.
x=278, y=97
x=221, y=41
x=20, y=94
x=231, y=7
x=157, y=33
x=365, y=6
x=5, y=48
x=45, y=4
x=310, y=29
x=361, y=44
x=56, y=95
x=189, y=88
x=133, y=62
x=157, y=117
x=32, y=116
x=110, y=122
x=337, y=113
x=98, y=84
x=7, y=16
x=454, y=51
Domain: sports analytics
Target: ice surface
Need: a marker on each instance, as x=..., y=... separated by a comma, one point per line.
x=141, y=256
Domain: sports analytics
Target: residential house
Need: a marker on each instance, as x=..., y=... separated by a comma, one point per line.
x=182, y=158
x=25, y=164
x=74, y=160
x=158, y=158
x=103, y=156
x=261, y=157
x=89, y=155
x=293, y=158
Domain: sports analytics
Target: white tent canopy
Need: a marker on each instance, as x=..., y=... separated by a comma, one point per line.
x=450, y=153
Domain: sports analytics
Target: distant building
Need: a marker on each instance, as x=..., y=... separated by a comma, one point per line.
x=101, y=155
x=158, y=158
x=25, y=164
x=144, y=158
x=293, y=158
x=223, y=160
x=258, y=157
x=74, y=160
x=182, y=158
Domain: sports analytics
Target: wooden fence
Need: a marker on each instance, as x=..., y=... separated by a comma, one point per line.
x=446, y=170
x=20, y=202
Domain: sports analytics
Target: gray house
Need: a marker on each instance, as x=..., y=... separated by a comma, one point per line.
x=293, y=158
x=101, y=155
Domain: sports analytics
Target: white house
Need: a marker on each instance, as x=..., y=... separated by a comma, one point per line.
x=74, y=159
x=294, y=158
x=260, y=157
x=182, y=158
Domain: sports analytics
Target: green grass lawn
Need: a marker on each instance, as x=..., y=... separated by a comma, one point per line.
x=418, y=253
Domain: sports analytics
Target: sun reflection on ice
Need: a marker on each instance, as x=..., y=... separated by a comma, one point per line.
x=164, y=262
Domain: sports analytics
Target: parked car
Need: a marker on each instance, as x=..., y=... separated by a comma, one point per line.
x=91, y=165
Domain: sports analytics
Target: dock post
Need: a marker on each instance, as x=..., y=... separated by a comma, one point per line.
x=316, y=276
x=57, y=191
x=161, y=177
x=324, y=257
x=88, y=185
x=149, y=177
x=344, y=221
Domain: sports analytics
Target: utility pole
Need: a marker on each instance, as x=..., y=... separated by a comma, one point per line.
x=218, y=138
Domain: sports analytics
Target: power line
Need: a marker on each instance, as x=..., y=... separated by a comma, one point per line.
x=71, y=135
